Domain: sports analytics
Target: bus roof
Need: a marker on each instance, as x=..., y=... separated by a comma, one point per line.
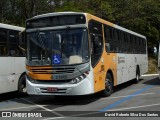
x=101, y=20
x=11, y=27
x=55, y=14
x=129, y=31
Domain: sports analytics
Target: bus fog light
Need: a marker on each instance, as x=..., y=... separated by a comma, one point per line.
x=68, y=90
x=37, y=90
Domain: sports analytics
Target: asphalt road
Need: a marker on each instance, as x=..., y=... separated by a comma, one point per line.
x=140, y=99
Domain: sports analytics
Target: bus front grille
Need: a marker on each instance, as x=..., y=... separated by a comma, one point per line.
x=52, y=70
x=53, y=82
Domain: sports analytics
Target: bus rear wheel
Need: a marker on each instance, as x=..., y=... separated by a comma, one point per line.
x=137, y=75
x=108, y=86
x=22, y=85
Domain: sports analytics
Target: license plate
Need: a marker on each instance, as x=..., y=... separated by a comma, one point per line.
x=59, y=77
x=51, y=89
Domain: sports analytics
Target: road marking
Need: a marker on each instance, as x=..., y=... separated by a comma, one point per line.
x=128, y=95
x=49, y=110
x=135, y=107
x=100, y=99
x=36, y=104
x=108, y=110
x=125, y=99
x=20, y=108
x=98, y=112
x=53, y=118
x=6, y=103
x=149, y=75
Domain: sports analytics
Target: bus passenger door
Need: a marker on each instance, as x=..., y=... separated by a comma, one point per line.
x=97, y=61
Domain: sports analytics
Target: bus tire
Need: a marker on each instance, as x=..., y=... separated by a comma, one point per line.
x=137, y=75
x=108, y=86
x=22, y=85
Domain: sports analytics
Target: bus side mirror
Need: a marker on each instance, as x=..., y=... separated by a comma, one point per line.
x=151, y=50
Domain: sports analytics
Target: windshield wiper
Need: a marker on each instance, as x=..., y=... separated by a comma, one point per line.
x=42, y=44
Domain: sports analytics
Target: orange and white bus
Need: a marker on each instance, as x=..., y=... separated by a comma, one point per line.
x=12, y=60
x=72, y=53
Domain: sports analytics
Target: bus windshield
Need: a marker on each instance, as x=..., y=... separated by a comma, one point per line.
x=58, y=47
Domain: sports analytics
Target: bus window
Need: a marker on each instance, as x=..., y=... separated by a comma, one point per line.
x=3, y=49
x=3, y=36
x=96, y=48
x=108, y=47
x=14, y=43
x=3, y=43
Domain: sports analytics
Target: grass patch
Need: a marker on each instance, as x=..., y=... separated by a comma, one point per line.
x=152, y=65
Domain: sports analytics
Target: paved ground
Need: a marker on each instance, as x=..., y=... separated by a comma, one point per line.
x=129, y=97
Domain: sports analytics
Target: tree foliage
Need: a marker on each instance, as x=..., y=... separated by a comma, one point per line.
x=142, y=16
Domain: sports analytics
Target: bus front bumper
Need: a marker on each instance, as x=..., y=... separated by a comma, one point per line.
x=84, y=87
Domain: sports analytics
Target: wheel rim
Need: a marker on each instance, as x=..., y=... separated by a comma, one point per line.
x=24, y=90
x=137, y=77
x=23, y=87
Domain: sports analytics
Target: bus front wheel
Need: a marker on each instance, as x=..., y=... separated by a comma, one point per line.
x=22, y=85
x=108, y=86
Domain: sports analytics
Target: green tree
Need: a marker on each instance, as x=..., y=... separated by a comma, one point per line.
x=141, y=16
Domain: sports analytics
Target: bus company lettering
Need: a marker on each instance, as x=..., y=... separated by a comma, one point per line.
x=121, y=60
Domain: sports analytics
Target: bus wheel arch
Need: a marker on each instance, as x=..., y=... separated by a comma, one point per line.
x=22, y=84
x=109, y=84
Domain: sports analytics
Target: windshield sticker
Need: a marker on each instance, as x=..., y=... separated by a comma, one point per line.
x=56, y=59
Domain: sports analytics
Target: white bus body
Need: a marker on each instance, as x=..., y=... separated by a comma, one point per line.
x=12, y=59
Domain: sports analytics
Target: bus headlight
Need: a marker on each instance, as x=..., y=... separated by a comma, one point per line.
x=80, y=78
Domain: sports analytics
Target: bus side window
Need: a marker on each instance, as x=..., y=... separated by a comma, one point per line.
x=108, y=47
x=14, y=42
x=3, y=43
x=108, y=34
x=92, y=44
